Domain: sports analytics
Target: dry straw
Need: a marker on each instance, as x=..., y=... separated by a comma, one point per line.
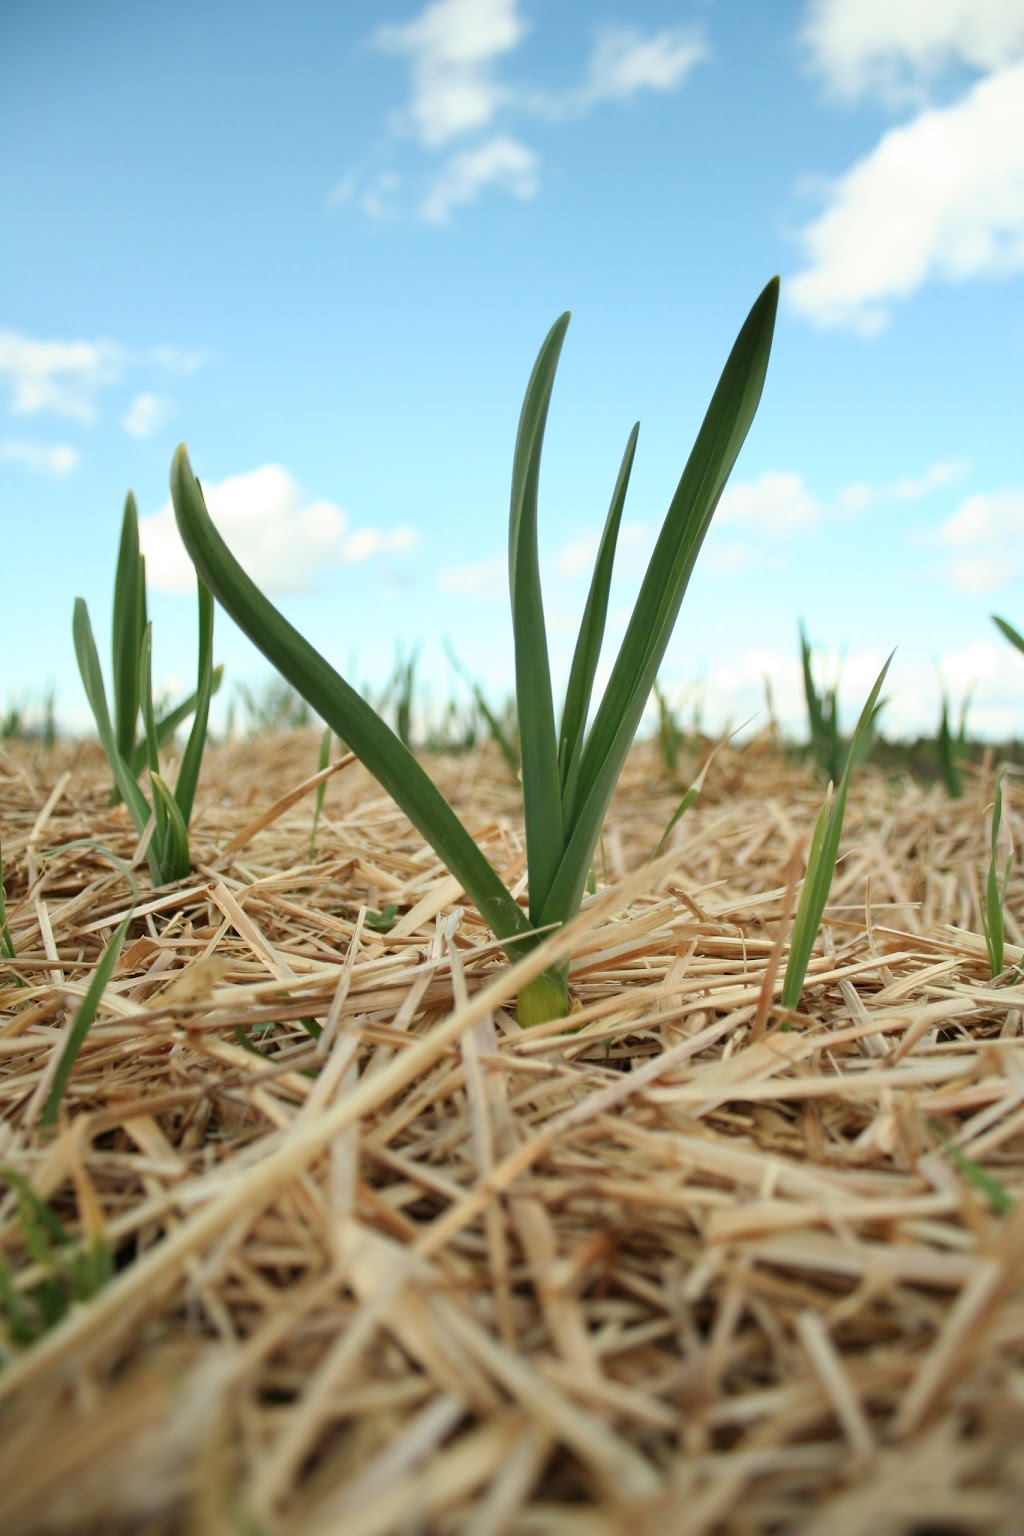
x=670, y=1269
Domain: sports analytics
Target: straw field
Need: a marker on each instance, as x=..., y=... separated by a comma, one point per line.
x=384, y=1262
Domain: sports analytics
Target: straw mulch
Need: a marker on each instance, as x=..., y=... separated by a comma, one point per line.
x=688, y=1267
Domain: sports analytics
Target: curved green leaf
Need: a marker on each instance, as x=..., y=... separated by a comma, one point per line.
x=340, y=707
x=542, y=798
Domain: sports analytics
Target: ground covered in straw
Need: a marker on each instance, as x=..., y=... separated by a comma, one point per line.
x=689, y=1267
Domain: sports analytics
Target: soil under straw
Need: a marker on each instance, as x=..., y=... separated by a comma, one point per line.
x=683, y=1269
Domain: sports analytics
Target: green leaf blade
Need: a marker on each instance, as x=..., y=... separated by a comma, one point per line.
x=340, y=707
x=714, y=453
x=538, y=745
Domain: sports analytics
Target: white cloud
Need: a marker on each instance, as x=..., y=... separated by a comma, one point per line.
x=281, y=540
x=62, y=377
x=45, y=458
x=455, y=51
x=452, y=45
x=624, y=61
x=907, y=488
x=776, y=502
x=486, y=580
x=499, y=161
x=862, y=46
x=143, y=415
x=941, y=198
x=986, y=532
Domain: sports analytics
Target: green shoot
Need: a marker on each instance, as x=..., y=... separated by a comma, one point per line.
x=6, y=942
x=167, y=851
x=1013, y=635
x=568, y=773
x=823, y=715
x=995, y=899
x=83, y=1019
x=951, y=749
x=821, y=861
x=504, y=738
x=73, y=1272
x=669, y=740
x=999, y=1199
x=128, y=632
x=318, y=801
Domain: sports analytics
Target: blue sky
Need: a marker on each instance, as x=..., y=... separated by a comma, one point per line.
x=322, y=243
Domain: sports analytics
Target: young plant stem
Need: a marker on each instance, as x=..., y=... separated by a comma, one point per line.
x=568, y=773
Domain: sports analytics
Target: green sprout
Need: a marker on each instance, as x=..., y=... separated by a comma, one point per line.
x=821, y=861
x=504, y=734
x=951, y=749
x=995, y=899
x=823, y=714
x=167, y=851
x=568, y=773
x=72, y=1272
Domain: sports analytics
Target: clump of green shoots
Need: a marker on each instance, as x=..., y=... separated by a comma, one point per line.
x=167, y=851
x=72, y=1271
x=568, y=773
x=821, y=861
x=951, y=748
x=995, y=898
x=823, y=716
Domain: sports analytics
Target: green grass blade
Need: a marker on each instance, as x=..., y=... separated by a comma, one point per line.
x=946, y=751
x=995, y=900
x=83, y=1021
x=1014, y=636
x=158, y=855
x=721, y=436
x=538, y=745
x=92, y=681
x=166, y=725
x=192, y=757
x=129, y=621
x=590, y=639
x=821, y=861
x=340, y=707
x=175, y=861
x=321, y=789
x=501, y=738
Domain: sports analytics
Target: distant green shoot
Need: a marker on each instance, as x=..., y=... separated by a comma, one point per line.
x=823, y=717
x=72, y=1271
x=504, y=734
x=995, y=897
x=129, y=629
x=568, y=773
x=170, y=812
x=318, y=800
x=6, y=942
x=951, y=748
x=821, y=861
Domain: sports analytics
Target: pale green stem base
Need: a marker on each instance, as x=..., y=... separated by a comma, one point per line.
x=544, y=998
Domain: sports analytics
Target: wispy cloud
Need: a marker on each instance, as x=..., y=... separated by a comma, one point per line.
x=986, y=537
x=874, y=47
x=907, y=488
x=143, y=415
x=452, y=46
x=500, y=161
x=70, y=378
x=282, y=540
x=43, y=458
x=457, y=52
x=63, y=378
x=941, y=198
